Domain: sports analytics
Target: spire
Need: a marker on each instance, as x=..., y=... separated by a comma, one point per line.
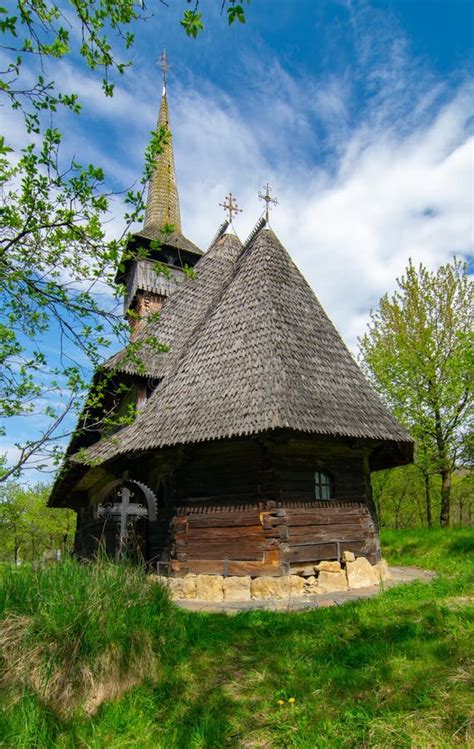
x=164, y=67
x=163, y=201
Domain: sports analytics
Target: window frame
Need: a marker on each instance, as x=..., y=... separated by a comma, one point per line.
x=323, y=484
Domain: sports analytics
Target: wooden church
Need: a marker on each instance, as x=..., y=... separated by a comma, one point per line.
x=256, y=432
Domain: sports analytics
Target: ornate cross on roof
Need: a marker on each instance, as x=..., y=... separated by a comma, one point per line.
x=266, y=197
x=165, y=66
x=230, y=206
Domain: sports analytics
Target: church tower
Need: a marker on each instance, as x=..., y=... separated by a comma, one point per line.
x=150, y=275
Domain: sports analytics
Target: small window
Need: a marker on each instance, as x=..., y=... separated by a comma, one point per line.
x=322, y=485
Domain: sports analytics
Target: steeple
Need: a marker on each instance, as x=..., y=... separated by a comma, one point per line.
x=146, y=286
x=163, y=201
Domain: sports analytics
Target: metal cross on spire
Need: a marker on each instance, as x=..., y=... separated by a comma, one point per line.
x=165, y=66
x=266, y=197
x=230, y=206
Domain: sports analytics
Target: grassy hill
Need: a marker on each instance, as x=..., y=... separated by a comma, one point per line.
x=393, y=671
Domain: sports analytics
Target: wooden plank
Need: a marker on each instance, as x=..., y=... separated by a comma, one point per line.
x=247, y=531
x=273, y=522
x=199, y=567
x=272, y=543
x=355, y=523
x=324, y=540
x=312, y=520
x=255, y=569
x=358, y=547
x=324, y=512
x=225, y=553
x=273, y=556
x=328, y=531
x=220, y=521
x=235, y=544
x=311, y=552
x=237, y=568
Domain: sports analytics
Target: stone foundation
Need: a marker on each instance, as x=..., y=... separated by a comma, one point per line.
x=326, y=577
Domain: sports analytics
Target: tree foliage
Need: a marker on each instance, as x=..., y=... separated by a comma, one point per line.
x=399, y=496
x=27, y=530
x=418, y=353
x=57, y=262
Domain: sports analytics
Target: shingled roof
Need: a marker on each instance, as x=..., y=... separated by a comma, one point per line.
x=183, y=311
x=261, y=354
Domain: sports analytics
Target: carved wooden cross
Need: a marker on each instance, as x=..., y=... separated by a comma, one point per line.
x=230, y=206
x=121, y=512
x=266, y=197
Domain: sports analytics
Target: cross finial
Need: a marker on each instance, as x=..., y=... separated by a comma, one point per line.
x=266, y=197
x=230, y=206
x=164, y=67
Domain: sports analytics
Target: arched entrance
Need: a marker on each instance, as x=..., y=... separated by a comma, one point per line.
x=126, y=506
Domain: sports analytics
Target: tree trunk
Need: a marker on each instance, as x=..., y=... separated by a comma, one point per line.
x=445, y=495
x=444, y=470
x=16, y=545
x=429, y=518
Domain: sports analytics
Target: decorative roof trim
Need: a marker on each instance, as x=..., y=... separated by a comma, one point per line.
x=220, y=232
x=261, y=223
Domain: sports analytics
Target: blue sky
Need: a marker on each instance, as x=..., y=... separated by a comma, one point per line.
x=358, y=113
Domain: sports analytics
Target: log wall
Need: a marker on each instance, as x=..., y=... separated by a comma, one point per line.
x=269, y=538
x=279, y=468
x=247, y=506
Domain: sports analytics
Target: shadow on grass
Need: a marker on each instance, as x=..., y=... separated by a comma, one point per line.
x=207, y=720
x=462, y=545
x=393, y=657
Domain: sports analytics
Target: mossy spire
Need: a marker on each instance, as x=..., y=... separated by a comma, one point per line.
x=163, y=200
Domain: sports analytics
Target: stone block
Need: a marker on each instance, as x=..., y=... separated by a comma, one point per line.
x=209, y=587
x=269, y=587
x=277, y=587
x=361, y=574
x=304, y=570
x=311, y=586
x=328, y=567
x=182, y=587
x=382, y=570
x=237, y=588
x=348, y=556
x=331, y=581
x=296, y=585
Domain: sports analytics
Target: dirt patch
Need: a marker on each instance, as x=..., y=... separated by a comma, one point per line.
x=64, y=684
x=458, y=602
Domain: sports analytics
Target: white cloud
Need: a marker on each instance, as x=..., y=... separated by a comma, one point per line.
x=356, y=200
x=350, y=227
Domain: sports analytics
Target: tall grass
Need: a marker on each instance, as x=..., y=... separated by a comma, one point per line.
x=393, y=672
x=77, y=634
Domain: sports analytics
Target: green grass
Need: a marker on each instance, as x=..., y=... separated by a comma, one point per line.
x=390, y=672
